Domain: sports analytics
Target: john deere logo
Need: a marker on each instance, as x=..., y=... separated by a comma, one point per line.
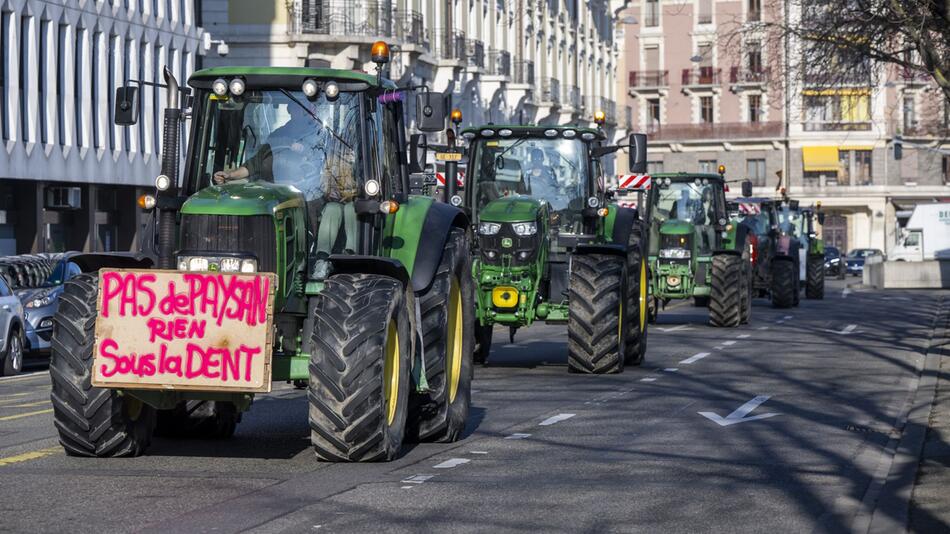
x=506, y=242
x=213, y=267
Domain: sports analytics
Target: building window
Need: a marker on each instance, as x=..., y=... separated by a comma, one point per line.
x=755, y=11
x=96, y=88
x=862, y=167
x=754, y=56
x=705, y=12
x=946, y=170
x=25, y=42
x=841, y=111
x=61, y=83
x=708, y=166
x=43, y=79
x=854, y=168
x=706, y=109
x=755, y=108
x=755, y=169
x=4, y=66
x=78, y=76
x=910, y=113
x=651, y=13
x=656, y=167
x=653, y=114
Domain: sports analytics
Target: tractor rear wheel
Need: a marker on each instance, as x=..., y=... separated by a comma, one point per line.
x=595, y=326
x=483, y=335
x=91, y=421
x=784, y=283
x=359, y=368
x=448, y=324
x=815, y=278
x=725, y=296
x=199, y=419
x=637, y=306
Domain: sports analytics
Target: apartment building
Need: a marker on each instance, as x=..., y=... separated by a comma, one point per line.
x=710, y=86
x=69, y=177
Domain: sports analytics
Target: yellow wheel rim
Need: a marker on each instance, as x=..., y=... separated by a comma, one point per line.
x=643, y=295
x=453, y=341
x=391, y=373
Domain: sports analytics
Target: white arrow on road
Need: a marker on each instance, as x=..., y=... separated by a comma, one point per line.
x=843, y=332
x=845, y=292
x=739, y=416
x=674, y=328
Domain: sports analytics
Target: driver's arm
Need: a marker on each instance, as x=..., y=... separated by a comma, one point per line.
x=251, y=166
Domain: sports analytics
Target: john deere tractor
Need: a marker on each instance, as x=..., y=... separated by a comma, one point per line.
x=297, y=172
x=695, y=250
x=798, y=223
x=550, y=247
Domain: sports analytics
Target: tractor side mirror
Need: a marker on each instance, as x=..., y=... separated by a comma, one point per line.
x=821, y=218
x=126, y=105
x=431, y=111
x=638, y=153
x=793, y=205
x=418, y=149
x=747, y=188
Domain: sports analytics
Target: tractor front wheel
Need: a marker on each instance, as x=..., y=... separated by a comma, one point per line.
x=725, y=297
x=595, y=326
x=637, y=298
x=784, y=283
x=359, y=368
x=815, y=278
x=91, y=421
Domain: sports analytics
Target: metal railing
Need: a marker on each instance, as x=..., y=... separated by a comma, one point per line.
x=701, y=76
x=499, y=62
x=836, y=126
x=475, y=50
x=722, y=130
x=448, y=44
x=649, y=78
x=373, y=19
x=837, y=78
x=551, y=90
x=744, y=75
x=524, y=72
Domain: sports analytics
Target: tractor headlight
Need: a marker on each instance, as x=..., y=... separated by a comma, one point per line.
x=525, y=228
x=488, y=228
x=219, y=86
x=198, y=264
x=230, y=265
x=249, y=266
x=237, y=87
x=675, y=253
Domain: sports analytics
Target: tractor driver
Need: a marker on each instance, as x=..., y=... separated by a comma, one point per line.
x=542, y=182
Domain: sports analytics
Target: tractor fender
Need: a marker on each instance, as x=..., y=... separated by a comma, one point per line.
x=351, y=264
x=416, y=236
x=614, y=249
x=622, y=224
x=93, y=261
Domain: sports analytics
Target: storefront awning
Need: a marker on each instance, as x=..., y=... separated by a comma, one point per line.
x=820, y=158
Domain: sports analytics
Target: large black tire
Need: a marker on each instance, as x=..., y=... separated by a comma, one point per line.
x=483, y=335
x=637, y=307
x=91, y=421
x=595, y=329
x=725, y=293
x=815, y=278
x=701, y=302
x=11, y=361
x=361, y=346
x=199, y=419
x=784, y=283
x=448, y=331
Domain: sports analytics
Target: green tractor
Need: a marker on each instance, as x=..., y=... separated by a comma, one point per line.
x=550, y=247
x=799, y=223
x=696, y=251
x=297, y=172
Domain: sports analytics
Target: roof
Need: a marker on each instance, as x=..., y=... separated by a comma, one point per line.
x=687, y=175
x=292, y=72
x=529, y=130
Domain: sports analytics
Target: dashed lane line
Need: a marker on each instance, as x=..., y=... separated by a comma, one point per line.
x=27, y=405
x=26, y=376
x=556, y=419
x=671, y=369
x=762, y=328
x=451, y=462
x=694, y=358
x=27, y=414
x=478, y=452
x=787, y=317
x=743, y=336
x=730, y=342
x=417, y=479
x=12, y=395
x=32, y=455
x=518, y=435
x=648, y=379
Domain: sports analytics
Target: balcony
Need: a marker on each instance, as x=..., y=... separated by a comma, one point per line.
x=524, y=72
x=499, y=62
x=475, y=50
x=702, y=76
x=649, y=79
x=836, y=126
x=551, y=91
x=745, y=76
x=717, y=132
x=378, y=20
x=449, y=45
x=837, y=78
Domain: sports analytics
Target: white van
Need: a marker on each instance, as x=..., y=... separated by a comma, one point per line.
x=927, y=235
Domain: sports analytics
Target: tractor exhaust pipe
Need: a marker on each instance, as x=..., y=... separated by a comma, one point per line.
x=167, y=212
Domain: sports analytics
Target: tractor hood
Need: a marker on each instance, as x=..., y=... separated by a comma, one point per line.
x=250, y=198
x=676, y=227
x=516, y=208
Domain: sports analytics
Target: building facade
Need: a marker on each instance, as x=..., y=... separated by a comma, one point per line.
x=710, y=85
x=503, y=61
x=69, y=177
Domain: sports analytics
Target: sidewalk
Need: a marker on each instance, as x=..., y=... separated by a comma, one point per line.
x=930, y=501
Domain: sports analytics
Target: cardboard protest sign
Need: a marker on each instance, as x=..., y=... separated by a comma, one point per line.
x=184, y=330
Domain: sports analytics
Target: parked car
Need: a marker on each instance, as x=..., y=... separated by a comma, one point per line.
x=11, y=331
x=858, y=256
x=834, y=263
x=40, y=303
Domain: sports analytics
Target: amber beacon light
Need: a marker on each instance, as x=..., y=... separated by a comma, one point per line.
x=380, y=52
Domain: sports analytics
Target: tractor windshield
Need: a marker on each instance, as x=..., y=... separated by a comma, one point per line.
x=790, y=222
x=281, y=136
x=755, y=217
x=553, y=170
x=693, y=202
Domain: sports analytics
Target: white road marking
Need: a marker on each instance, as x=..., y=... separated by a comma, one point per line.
x=648, y=379
x=404, y=487
x=730, y=342
x=845, y=331
x=845, y=292
x=451, y=462
x=740, y=413
x=417, y=479
x=671, y=369
x=24, y=376
x=787, y=317
x=694, y=358
x=780, y=321
x=762, y=328
x=478, y=452
x=556, y=419
x=518, y=435
x=674, y=328
x=743, y=336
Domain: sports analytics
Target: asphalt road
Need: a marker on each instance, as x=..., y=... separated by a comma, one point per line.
x=660, y=448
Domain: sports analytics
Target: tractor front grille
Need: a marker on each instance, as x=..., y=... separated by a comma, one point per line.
x=523, y=250
x=232, y=234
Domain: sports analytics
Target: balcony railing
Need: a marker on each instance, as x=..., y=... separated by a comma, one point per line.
x=551, y=90
x=499, y=62
x=701, y=76
x=749, y=76
x=524, y=72
x=646, y=79
x=449, y=44
x=374, y=19
x=718, y=131
x=836, y=126
x=475, y=50
x=837, y=78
